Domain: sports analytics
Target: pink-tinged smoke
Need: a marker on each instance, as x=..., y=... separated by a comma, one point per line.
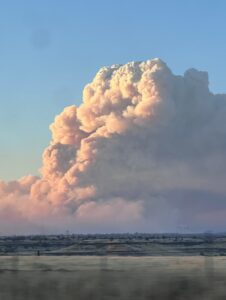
x=145, y=151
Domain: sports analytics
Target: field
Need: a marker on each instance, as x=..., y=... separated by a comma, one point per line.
x=116, y=244
x=113, y=266
x=107, y=277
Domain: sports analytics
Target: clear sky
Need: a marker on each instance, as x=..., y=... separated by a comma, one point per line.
x=50, y=49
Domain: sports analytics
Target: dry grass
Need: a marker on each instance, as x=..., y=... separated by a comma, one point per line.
x=112, y=278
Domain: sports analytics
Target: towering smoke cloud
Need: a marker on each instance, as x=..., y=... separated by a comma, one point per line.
x=145, y=151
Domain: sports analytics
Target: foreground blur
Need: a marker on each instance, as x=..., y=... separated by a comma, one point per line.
x=112, y=278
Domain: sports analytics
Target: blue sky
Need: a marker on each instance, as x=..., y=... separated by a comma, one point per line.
x=50, y=49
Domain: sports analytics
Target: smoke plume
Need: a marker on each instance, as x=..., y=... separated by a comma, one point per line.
x=145, y=151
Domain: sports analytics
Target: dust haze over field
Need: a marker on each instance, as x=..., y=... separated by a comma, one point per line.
x=145, y=151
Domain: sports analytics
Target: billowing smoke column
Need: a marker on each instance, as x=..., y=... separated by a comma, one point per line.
x=145, y=151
